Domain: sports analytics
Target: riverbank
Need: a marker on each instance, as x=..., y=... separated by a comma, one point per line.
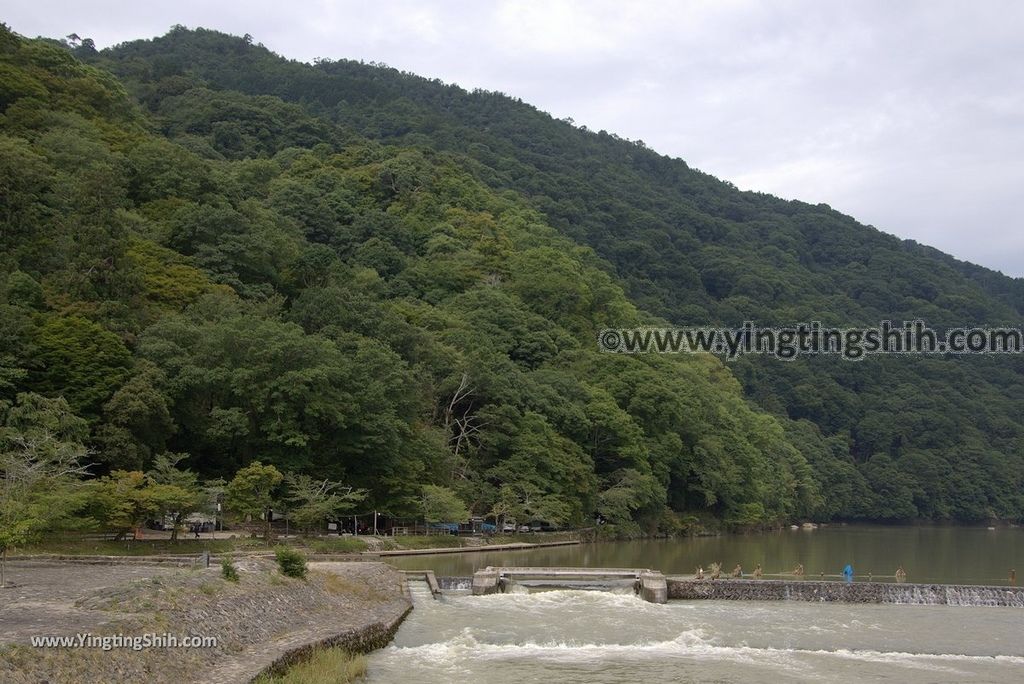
x=221, y=543
x=470, y=549
x=264, y=621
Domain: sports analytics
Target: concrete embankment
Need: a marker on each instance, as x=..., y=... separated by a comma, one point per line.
x=169, y=560
x=470, y=549
x=368, y=608
x=819, y=591
x=856, y=592
x=264, y=622
x=648, y=584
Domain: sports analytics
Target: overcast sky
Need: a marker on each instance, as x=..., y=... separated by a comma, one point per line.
x=907, y=115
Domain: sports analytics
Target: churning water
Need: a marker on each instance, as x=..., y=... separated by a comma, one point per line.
x=590, y=636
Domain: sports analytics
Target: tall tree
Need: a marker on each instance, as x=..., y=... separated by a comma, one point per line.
x=440, y=504
x=165, y=471
x=313, y=502
x=253, y=493
x=40, y=468
x=124, y=500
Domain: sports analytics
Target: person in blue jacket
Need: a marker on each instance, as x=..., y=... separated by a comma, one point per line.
x=848, y=573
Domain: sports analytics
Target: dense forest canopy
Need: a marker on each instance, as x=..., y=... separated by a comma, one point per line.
x=354, y=273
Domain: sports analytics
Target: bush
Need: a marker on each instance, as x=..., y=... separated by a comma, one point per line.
x=292, y=562
x=228, y=570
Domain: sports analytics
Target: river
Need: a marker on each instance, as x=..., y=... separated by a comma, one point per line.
x=955, y=555
x=565, y=636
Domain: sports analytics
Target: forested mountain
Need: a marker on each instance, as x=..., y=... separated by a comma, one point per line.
x=362, y=274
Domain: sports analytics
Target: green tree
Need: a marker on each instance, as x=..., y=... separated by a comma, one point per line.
x=40, y=468
x=252, y=493
x=313, y=502
x=80, y=360
x=507, y=508
x=165, y=471
x=440, y=504
x=124, y=500
x=138, y=419
x=627, y=492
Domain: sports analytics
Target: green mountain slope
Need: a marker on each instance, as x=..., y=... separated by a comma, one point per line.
x=233, y=278
x=936, y=438
x=367, y=275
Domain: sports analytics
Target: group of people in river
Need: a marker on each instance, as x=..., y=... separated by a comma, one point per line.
x=714, y=571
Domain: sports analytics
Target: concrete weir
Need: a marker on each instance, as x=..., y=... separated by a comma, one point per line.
x=842, y=592
x=651, y=585
x=427, y=576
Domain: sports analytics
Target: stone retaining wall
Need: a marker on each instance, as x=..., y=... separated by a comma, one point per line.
x=359, y=640
x=179, y=560
x=263, y=621
x=857, y=592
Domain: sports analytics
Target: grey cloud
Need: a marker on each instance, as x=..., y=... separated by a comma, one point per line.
x=907, y=115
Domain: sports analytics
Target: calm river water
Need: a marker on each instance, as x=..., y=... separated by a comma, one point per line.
x=591, y=636
x=928, y=554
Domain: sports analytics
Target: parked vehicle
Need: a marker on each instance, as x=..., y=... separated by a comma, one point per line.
x=524, y=528
x=508, y=527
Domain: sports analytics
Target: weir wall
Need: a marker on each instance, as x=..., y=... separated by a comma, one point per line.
x=856, y=592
